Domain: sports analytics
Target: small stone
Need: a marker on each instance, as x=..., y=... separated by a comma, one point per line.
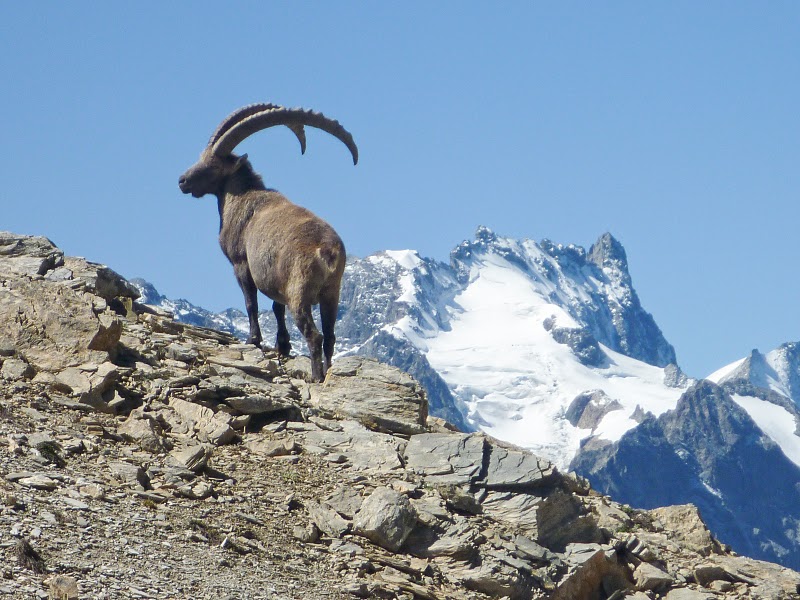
x=197, y=491
x=255, y=405
x=39, y=482
x=217, y=433
x=129, y=474
x=720, y=586
x=14, y=369
x=92, y=490
x=74, y=504
x=327, y=519
x=63, y=587
x=193, y=458
x=308, y=534
x=145, y=432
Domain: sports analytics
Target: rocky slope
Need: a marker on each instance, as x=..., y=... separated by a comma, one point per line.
x=146, y=458
x=547, y=346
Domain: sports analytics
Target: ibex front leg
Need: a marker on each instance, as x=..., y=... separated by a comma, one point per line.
x=242, y=272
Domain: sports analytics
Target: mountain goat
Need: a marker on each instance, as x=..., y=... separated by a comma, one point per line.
x=291, y=255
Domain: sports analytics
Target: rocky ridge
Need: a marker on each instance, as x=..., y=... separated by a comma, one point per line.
x=147, y=458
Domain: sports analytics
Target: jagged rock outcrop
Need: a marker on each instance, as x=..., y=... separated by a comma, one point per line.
x=178, y=462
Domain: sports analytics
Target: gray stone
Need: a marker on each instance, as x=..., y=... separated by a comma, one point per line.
x=145, y=432
x=386, y=518
x=193, y=458
x=555, y=520
x=181, y=352
x=705, y=574
x=365, y=450
x=308, y=534
x=588, y=409
x=52, y=326
x=446, y=458
x=128, y=473
x=74, y=504
x=532, y=551
x=327, y=520
x=38, y=481
x=62, y=587
x=685, y=524
x=494, y=577
x=217, y=433
x=650, y=577
x=99, y=279
x=199, y=490
x=516, y=469
x=194, y=416
x=269, y=448
x=458, y=541
x=14, y=369
x=379, y=396
x=689, y=594
x=345, y=500
x=258, y=405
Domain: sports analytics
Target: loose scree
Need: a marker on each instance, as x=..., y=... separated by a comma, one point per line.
x=291, y=255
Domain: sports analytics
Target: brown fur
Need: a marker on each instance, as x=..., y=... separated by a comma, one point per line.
x=282, y=249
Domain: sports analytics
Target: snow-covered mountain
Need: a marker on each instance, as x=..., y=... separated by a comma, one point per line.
x=548, y=347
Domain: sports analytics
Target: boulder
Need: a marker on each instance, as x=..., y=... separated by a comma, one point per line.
x=14, y=369
x=53, y=327
x=650, y=577
x=515, y=469
x=145, y=432
x=386, y=518
x=379, y=396
x=685, y=524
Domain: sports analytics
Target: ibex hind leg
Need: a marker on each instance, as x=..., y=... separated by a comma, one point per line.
x=328, y=310
x=282, y=341
x=248, y=286
x=305, y=323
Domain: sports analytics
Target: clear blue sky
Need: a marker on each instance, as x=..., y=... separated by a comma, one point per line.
x=673, y=125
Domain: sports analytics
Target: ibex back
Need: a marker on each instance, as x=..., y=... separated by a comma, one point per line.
x=291, y=255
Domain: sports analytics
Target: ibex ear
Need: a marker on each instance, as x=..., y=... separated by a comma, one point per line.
x=239, y=162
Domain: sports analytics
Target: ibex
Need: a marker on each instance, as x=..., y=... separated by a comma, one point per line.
x=291, y=255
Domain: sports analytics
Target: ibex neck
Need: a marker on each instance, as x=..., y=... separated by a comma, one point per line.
x=236, y=187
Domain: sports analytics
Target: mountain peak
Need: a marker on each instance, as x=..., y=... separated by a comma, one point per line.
x=484, y=234
x=608, y=252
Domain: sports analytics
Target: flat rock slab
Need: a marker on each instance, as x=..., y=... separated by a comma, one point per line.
x=260, y=405
x=364, y=449
x=516, y=469
x=379, y=396
x=446, y=458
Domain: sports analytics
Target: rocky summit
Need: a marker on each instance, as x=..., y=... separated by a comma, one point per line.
x=146, y=458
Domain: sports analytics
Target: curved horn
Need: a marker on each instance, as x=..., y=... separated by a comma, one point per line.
x=293, y=118
x=247, y=111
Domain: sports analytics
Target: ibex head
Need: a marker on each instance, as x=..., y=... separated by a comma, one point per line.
x=217, y=162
